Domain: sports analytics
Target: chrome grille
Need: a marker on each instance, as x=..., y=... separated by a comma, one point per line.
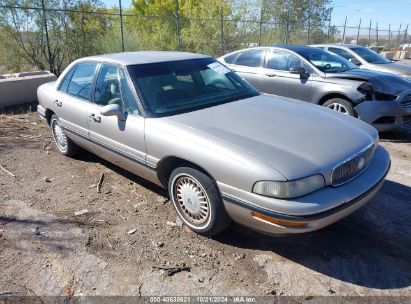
x=406, y=102
x=352, y=167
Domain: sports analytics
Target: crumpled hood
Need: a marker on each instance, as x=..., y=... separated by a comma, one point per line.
x=296, y=138
x=381, y=82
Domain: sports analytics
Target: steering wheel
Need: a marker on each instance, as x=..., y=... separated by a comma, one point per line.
x=327, y=66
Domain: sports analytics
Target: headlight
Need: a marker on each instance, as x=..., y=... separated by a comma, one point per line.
x=367, y=90
x=289, y=189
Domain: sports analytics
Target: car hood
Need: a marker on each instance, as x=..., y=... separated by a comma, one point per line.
x=296, y=138
x=381, y=82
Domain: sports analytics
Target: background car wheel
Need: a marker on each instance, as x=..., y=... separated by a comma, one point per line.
x=63, y=143
x=340, y=105
x=197, y=201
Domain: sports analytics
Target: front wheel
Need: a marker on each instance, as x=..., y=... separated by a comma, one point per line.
x=65, y=145
x=340, y=105
x=197, y=201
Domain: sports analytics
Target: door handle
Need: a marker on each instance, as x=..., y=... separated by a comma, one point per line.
x=58, y=103
x=270, y=75
x=95, y=118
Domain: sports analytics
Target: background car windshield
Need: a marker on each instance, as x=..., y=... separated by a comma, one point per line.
x=325, y=61
x=181, y=86
x=370, y=56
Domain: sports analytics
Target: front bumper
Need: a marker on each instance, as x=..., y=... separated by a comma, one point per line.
x=382, y=115
x=318, y=209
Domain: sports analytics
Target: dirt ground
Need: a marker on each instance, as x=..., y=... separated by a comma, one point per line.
x=47, y=250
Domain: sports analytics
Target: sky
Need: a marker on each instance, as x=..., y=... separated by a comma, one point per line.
x=385, y=12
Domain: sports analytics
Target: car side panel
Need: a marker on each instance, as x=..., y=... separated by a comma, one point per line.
x=73, y=114
x=121, y=142
x=252, y=75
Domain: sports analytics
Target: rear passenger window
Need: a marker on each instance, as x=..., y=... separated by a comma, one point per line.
x=65, y=82
x=82, y=80
x=341, y=53
x=230, y=58
x=252, y=58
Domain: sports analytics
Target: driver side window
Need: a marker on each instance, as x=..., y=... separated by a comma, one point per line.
x=284, y=61
x=107, y=86
x=112, y=88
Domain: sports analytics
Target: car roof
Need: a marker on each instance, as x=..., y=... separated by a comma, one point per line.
x=131, y=58
x=350, y=46
x=294, y=48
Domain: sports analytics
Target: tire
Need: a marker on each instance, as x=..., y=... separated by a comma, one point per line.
x=197, y=201
x=65, y=145
x=340, y=105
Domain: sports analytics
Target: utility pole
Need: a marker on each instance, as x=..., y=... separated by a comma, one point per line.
x=261, y=22
x=358, y=32
x=178, y=26
x=345, y=25
x=369, y=33
x=222, y=30
x=405, y=34
x=398, y=38
x=121, y=26
x=389, y=35
x=287, y=27
x=377, y=33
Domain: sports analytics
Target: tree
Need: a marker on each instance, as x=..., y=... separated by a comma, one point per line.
x=294, y=19
x=199, y=24
x=47, y=36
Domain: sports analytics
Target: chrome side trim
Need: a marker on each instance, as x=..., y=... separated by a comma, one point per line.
x=112, y=149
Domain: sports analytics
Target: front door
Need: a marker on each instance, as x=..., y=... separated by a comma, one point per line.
x=118, y=140
x=279, y=80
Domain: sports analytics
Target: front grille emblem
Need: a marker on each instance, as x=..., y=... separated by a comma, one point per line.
x=361, y=162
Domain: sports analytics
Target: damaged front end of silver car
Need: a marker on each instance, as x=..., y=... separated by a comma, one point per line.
x=383, y=110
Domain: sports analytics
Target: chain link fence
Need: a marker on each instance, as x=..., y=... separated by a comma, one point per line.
x=50, y=37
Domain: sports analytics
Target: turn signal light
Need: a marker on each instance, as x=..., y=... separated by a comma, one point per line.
x=279, y=222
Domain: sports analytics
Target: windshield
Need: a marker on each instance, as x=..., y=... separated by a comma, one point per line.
x=325, y=61
x=370, y=56
x=168, y=88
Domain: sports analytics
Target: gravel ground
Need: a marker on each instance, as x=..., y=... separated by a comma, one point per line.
x=48, y=250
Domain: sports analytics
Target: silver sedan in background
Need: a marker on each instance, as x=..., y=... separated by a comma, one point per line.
x=366, y=58
x=224, y=152
x=320, y=77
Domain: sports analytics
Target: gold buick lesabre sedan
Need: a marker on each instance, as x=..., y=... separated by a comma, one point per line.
x=224, y=151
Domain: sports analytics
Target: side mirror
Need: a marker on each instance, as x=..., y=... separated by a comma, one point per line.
x=298, y=70
x=113, y=110
x=355, y=61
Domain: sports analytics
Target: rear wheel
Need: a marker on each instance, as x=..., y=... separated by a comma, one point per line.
x=197, y=201
x=340, y=105
x=65, y=145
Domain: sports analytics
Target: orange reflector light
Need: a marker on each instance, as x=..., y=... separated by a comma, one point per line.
x=277, y=221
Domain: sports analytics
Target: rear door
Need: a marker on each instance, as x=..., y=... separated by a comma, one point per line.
x=73, y=98
x=123, y=140
x=249, y=65
x=279, y=80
